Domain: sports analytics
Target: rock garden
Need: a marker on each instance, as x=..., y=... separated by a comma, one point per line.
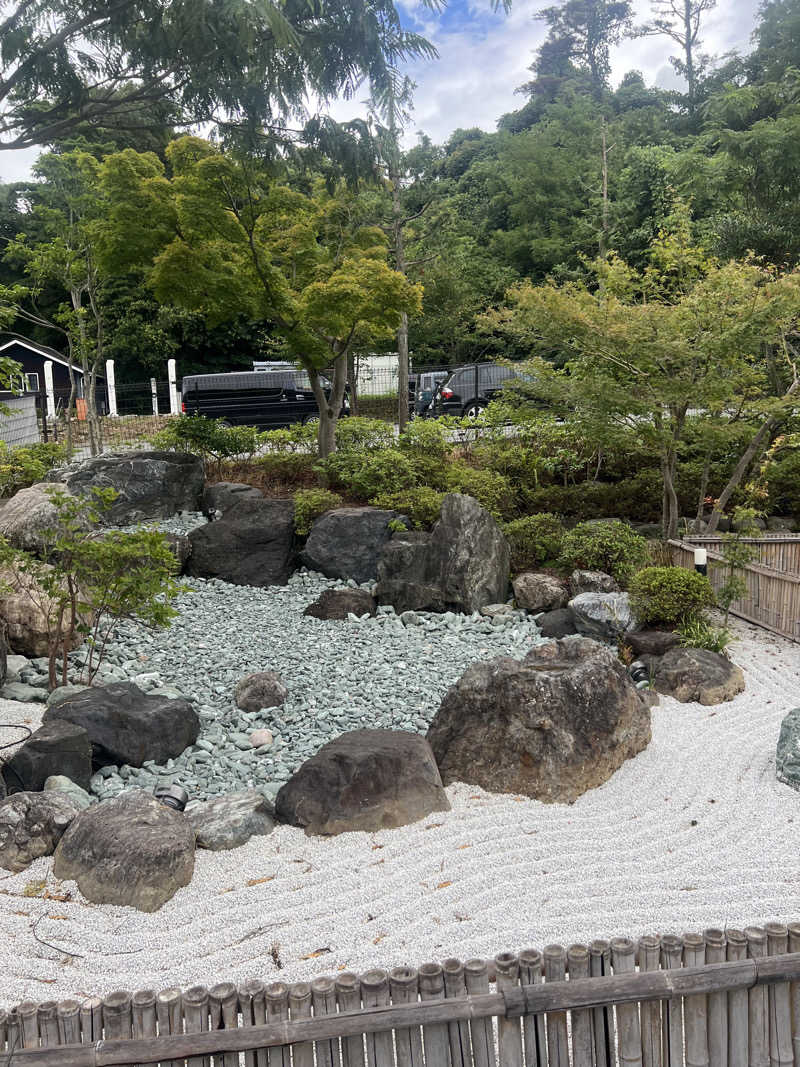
x=369, y=713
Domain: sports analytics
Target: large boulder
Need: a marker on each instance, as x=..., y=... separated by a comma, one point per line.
x=363, y=780
x=252, y=544
x=787, y=755
x=557, y=723
x=697, y=675
x=133, y=851
x=461, y=565
x=126, y=725
x=230, y=821
x=29, y=515
x=220, y=497
x=31, y=825
x=652, y=642
x=539, y=592
x=347, y=543
x=340, y=603
x=25, y=607
x=603, y=616
x=264, y=689
x=591, y=582
x=55, y=748
x=150, y=485
x=559, y=623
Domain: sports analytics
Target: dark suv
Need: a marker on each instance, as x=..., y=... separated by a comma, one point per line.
x=277, y=396
x=469, y=389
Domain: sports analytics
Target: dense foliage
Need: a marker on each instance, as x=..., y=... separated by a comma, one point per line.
x=667, y=596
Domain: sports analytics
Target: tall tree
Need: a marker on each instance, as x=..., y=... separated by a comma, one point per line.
x=587, y=30
x=681, y=20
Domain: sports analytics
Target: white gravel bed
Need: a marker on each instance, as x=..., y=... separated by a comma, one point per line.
x=695, y=831
x=13, y=715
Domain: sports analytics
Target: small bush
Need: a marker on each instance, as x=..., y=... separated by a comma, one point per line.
x=700, y=633
x=534, y=541
x=211, y=439
x=370, y=474
x=667, y=596
x=363, y=435
x=422, y=505
x=492, y=491
x=309, y=504
x=291, y=439
x=612, y=547
x=24, y=466
x=426, y=437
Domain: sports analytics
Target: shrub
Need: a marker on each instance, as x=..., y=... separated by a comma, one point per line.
x=309, y=504
x=369, y=474
x=534, y=541
x=700, y=633
x=425, y=437
x=669, y=595
x=611, y=546
x=291, y=439
x=363, y=435
x=492, y=491
x=378, y=406
x=211, y=439
x=26, y=465
x=422, y=505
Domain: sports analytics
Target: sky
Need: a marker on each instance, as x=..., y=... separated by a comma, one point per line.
x=484, y=56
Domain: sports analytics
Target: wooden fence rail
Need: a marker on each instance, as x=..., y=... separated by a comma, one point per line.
x=772, y=596
x=721, y=999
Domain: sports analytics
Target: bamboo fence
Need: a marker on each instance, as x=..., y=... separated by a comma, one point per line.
x=724, y=998
x=772, y=597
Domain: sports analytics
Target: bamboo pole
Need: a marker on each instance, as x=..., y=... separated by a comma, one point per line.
x=48, y=1024
x=695, y=1008
x=117, y=1017
x=91, y=1020
x=169, y=1015
x=779, y=1002
x=716, y=946
x=650, y=1011
x=277, y=1005
x=458, y=1032
x=404, y=989
x=794, y=946
x=300, y=1008
x=434, y=1035
x=68, y=1015
x=375, y=994
x=252, y=1005
x=534, y=1028
x=4, y=1031
x=738, y=1006
x=348, y=996
x=629, y=1032
x=554, y=960
x=605, y=1051
x=581, y=1020
x=28, y=1014
x=224, y=1011
x=195, y=1014
x=476, y=979
x=758, y=1013
x=143, y=1014
x=509, y=1031
x=672, y=1011
x=13, y=1031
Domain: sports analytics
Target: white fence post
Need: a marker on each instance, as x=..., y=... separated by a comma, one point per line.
x=111, y=387
x=174, y=403
x=49, y=389
x=154, y=395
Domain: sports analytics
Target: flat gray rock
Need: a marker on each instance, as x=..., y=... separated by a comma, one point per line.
x=31, y=825
x=59, y=783
x=603, y=616
x=697, y=675
x=539, y=592
x=787, y=755
x=231, y=821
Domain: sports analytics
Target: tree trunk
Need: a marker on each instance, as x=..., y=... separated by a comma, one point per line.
x=330, y=405
x=400, y=265
x=352, y=378
x=701, y=499
x=691, y=79
x=604, y=220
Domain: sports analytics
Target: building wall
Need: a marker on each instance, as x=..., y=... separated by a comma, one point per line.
x=21, y=427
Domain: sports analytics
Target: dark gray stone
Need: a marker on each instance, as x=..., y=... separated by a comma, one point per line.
x=787, y=755
x=363, y=780
x=603, y=616
x=559, y=623
x=347, y=543
x=230, y=821
x=539, y=592
x=252, y=544
x=181, y=548
x=461, y=565
x=264, y=689
x=651, y=642
x=132, y=851
x=55, y=748
x=220, y=497
x=339, y=603
x=151, y=485
x=591, y=582
x=31, y=825
x=126, y=725
x=557, y=723
x=697, y=675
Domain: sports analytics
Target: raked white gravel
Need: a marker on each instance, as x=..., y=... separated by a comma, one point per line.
x=695, y=831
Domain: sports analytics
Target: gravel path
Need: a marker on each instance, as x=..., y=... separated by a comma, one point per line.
x=695, y=831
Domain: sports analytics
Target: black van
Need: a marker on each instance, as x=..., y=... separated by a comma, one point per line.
x=469, y=389
x=271, y=398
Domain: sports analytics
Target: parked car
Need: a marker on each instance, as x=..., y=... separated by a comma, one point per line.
x=267, y=399
x=469, y=389
x=426, y=386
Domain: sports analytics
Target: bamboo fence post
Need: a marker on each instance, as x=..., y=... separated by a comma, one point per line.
x=13, y=1031
x=476, y=979
x=779, y=1002
x=91, y=1020
x=533, y=1026
x=323, y=1000
x=48, y=1024
x=375, y=994
x=277, y=1004
x=460, y=1041
x=224, y=1009
x=28, y=1014
x=602, y=1018
x=578, y=965
x=738, y=1006
x=672, y=1009
x=629, y=1031
x=758, y=1002
x=4, y=1031
x=300, y=1008
x=348, y=996
x=695, y=1008
x=555, y=970
x=404, y=989
x=717, y=1003
x=68, y=1015
x=254, y=1013
x=509, y=1031
x=169, y=1016
x=117, y=1018
x=195, y=1014
x=143, y=1012
x=794, y=946
x=650, y=960
x=434, y=1035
